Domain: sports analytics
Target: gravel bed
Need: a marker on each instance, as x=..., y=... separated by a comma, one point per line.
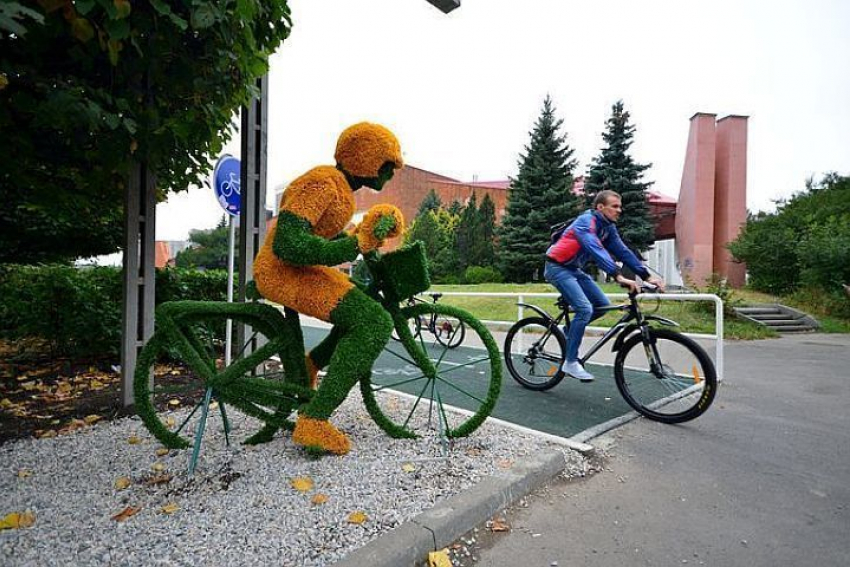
x=240, y=507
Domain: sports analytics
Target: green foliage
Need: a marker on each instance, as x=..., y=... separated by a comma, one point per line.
x=87, y=87
x=436, y=231
x=208, y=248
x=804, y=243
x=540, y=196
x=614, y=169
x=482, y=274
x=78, y=310
x=431, y=202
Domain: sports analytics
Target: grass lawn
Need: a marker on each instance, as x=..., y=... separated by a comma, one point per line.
x=693, y=317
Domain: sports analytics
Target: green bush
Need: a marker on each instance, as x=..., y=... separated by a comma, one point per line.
x=482, y=274
x=806, y=242
x=78, y=310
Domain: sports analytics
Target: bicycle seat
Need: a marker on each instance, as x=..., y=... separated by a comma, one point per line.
x=436, y=296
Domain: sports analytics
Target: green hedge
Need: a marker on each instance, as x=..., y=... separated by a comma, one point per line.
x=78, y=310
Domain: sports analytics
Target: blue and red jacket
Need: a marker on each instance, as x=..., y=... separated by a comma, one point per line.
x=592, y=236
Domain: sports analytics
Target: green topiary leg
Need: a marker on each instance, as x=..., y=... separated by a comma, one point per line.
x=364, y=328
x=322, y=352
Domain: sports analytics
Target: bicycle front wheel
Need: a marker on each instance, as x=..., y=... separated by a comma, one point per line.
x=670, y=378
x=423, y=384
x=534, y=352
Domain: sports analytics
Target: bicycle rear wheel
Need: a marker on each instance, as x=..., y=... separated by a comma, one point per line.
x=534, y=352
x=449, y=331
x=181, y=381
x=680, y=388
x=415, y=386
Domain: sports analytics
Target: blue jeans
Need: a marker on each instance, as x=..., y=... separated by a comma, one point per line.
x=583, y=295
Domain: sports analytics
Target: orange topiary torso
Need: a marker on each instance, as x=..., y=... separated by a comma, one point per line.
x=323, y=198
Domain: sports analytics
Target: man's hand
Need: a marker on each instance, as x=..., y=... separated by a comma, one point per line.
x=380, y=222
x=631, y=285
x=657, y=282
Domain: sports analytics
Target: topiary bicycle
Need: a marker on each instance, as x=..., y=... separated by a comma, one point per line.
x=270, y=382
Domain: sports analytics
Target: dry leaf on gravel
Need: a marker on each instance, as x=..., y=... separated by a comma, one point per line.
x=169, y=508
x=357, y=518
x=439, y=559
x=126, y=513
x=498, y=525
x=302, y=483
x=24, y=473
x=162, y=478
x=161, y=452
x=133, y=440
x=319, y=499
x=123, y=482
x=408, y=467
x=17, y=520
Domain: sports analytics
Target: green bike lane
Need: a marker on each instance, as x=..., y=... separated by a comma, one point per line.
x=566, y=410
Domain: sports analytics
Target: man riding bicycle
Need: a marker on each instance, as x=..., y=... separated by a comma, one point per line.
x=593, y=235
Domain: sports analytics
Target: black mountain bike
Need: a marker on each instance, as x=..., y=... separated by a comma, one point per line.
x=661, y=373
x=449, y=331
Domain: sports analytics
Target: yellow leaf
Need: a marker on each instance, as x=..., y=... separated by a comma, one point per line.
x=123, y=482
x=214, y=405
x=170, y=422
x=158, y=467
x=46, y=434
x=357, y=518
x=89, y=419
x=408, y=467
x=439, y=559
x=125, y=513
x=170, y=508
x=17, y=520
x=133, y=440
x=505, y=463
x=96, y=385
x=161, y=452
x=319, y=499
x=6, y=403
x=499, y=525
x=174, y=402
x=302, y=483
x=24, y=473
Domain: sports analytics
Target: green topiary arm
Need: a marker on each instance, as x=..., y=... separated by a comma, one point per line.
x=296, y=244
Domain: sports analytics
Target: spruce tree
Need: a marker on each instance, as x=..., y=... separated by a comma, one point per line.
x=484, y=253
x=466, y=234
x=615, y=169
x=431, y=202
x=540, y=196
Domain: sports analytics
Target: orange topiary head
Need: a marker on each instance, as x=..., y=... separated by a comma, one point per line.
x=363, y=148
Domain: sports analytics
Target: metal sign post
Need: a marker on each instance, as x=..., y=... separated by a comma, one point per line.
x=226, y=182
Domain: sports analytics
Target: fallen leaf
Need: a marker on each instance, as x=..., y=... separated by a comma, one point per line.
x=408, y=467
x=126, y=513
x=357, y=518
x=174, y=402
x=439, y=559
x=96, y=385
x=170, y=422
x=24, y=473
x=122, y=482
x=17, y=520
x=162, y=478
x=499, y=525
x=505, y=463
x=169, y=508
x=319, y=499
x=133, y=440
x=158, y=467
x=161, y=452
x=302, y=483
x=45, y=434
x=214, y=405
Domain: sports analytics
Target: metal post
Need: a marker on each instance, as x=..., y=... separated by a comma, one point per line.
x=228, y=332
x=138, y=271
x=252, y=221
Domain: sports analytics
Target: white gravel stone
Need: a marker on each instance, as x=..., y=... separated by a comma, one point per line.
x=239, y=507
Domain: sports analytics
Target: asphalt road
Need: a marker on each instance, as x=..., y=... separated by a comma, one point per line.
x=762, y=479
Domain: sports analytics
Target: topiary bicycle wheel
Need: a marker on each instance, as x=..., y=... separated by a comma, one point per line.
x=180, y=374
x=423, y=384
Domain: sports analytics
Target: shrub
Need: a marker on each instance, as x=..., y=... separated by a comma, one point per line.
x=482, y=274
x=78, y=310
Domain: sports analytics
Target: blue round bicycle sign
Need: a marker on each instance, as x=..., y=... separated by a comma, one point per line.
x=226, y=184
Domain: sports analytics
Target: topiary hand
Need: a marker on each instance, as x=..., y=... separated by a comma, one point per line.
x=381, y=222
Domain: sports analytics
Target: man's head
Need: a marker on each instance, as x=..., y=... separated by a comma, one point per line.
x=368, y=154
x=609, y=203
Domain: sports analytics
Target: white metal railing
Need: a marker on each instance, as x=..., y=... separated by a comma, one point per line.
x=718, y=312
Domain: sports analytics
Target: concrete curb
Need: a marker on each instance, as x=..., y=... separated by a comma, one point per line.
x=410, y=543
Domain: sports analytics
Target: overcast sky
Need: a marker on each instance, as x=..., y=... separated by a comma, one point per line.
x=462, y=91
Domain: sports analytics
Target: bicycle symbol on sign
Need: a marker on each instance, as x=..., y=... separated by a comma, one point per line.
x=230, y=186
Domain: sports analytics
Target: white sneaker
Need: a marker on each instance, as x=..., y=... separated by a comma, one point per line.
x=576, y=370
